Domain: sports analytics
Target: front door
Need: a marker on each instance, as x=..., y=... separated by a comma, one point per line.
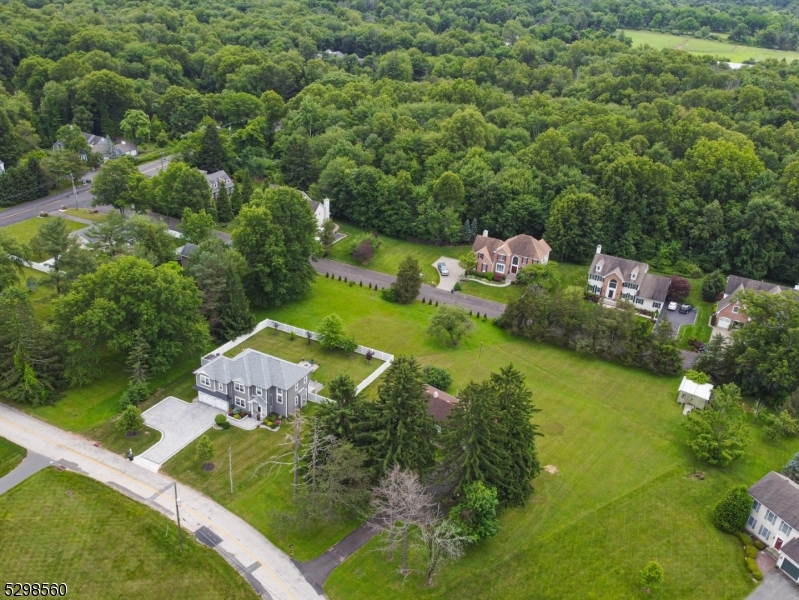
x=778, y=544
x=514, y=266
x=612, y=288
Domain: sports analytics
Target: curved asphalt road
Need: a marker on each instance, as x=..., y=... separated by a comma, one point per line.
x=268, y=569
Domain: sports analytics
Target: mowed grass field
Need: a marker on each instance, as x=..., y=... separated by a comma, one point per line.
x=728, y=50
x=66, y=528
x=25, y=231
x=621, y=497
x=10, y=456
x=262, y=496
x=331, y=362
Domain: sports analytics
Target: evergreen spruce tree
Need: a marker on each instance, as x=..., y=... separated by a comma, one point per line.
x=138, y=357
x=403, y=431
x=235, y=318
x=224, y=211
x=235, y=200
x=514, y=412
x=471, y=440
x=792, y=468
x=53, y=240
x=408, y=282
x=30, y=363
x=211, y=155
x=338, y=418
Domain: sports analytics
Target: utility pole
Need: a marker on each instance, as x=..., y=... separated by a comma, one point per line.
x=162, y=160
x=230, y=462
x=480, y=353
x=177, y=511
x=74, y=191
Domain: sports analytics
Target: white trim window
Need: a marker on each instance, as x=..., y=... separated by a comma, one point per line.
x=735, y=310
x=751, y=521
x=756, y=506
x=656, y=305
x=220, y=386
x=240, y=402
x=764, y=533
x=296, y=386
x=634, y=276
x=205, y=381
x=599, y=268
x=296, y=400
x=305, y=380
x=259, y=392
x=771, y=517
x=280, y=396
x=239, y=387
x=500, y=267
x=785, y=528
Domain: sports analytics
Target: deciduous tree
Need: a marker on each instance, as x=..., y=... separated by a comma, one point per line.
x=718, y=435
x=731, y=512
x=452, y=322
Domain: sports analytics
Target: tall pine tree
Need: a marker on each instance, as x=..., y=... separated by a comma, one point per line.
x=517, y=436
x=211, y=155
x=236, y=318
x=472, y=444
x=30, y=363
x=338, y=418
x=404, y=432
x=224, y=211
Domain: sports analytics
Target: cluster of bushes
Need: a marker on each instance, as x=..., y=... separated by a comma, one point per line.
x=221, y=422
x=273, y=420
x=488, y=275
x=750, y=553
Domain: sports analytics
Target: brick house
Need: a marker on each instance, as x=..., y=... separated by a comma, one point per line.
x=614, y=279
x=507, y=258
x=730, y=310
x=253, y=381
x=774, y=519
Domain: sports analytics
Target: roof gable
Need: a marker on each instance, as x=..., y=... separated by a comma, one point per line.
x=254, y=368
x=780, y=495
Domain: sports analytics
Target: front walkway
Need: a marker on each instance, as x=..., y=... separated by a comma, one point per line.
x=180, y=423
x=319, y=569
x=269, y=570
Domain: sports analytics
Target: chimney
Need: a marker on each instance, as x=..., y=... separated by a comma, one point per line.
x=599, y=249
x=796, y=287
x=435, y=394
x=485, y=232
x=326, y=202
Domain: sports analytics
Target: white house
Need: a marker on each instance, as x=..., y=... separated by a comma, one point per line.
x=218, y=179
x=2, y=167
x=320, y=210
x=695, y=394
x=614, y=279
x=774, y=519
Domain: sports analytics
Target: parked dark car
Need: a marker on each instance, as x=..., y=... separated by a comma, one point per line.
x=686, y=308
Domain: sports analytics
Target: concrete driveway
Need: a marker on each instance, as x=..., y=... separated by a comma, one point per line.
x=447, y=282
x=180, y=423
x=775, y=586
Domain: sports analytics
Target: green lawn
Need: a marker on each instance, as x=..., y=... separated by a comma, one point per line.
x=85, y=213
x=10, y=455
x=621, y=497
x=25, y=231
x=42, y=298
x=728, y=50
x=263, y=500
x=64, y=527
x=392, y=251
x=331, y=362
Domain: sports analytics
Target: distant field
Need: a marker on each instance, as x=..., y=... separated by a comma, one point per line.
x=730, y=51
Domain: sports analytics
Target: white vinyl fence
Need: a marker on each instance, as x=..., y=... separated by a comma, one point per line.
x=304, y=333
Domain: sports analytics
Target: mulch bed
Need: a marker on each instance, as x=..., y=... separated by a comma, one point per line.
x=209, y=466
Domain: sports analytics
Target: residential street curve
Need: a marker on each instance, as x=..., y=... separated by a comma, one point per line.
x=28, y=210
x=269, y=570
x=476, y=305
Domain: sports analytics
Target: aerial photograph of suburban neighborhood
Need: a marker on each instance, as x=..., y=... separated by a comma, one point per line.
x=399, y=299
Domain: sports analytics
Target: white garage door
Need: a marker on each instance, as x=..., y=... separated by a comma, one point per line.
x=212, y=401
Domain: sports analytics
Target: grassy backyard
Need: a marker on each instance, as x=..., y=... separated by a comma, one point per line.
x=331, y=362
x=262, y=497
x=10, y=455
x=25, y=231
x=392, y=251
x=728, y=50
x=615, y=436
x=85, y=213
x=64, y=527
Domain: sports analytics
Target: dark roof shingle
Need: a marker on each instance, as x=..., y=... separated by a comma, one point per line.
x=440, y=403
x=780, y=495
x=791, y=550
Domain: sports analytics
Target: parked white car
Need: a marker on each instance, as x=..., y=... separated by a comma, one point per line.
x=672, y=306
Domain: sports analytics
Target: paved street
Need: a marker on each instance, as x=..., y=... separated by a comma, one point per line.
x=476, y=305
x=269, y=570
x=25, y=211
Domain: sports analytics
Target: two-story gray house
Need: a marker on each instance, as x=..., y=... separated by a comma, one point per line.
x=774, y=519
x=252, y=381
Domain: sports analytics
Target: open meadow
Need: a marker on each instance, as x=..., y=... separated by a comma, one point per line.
x=728, y=50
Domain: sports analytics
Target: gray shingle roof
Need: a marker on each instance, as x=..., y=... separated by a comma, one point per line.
x=736, y=284
x=654, y=287
x=791, y=550
x=251, y=367
x=624, y=265
x=780, y=495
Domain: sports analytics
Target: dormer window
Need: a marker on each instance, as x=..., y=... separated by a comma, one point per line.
x=634, y=275
x=598, y=268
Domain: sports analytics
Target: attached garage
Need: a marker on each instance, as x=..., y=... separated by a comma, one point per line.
x=213, y=401
x=789, y=559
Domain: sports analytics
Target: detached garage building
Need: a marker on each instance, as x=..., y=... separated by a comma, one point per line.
x=774, y=519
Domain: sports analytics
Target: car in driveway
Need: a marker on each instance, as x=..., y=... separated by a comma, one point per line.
x=686, y=308
x=672, y=306
x=442, y=268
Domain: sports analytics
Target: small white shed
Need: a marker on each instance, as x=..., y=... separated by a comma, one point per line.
x=696, y=394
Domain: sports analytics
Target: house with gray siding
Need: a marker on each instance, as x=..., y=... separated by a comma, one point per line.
x=614, y=279
x=254, y=382
x=774, y=519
